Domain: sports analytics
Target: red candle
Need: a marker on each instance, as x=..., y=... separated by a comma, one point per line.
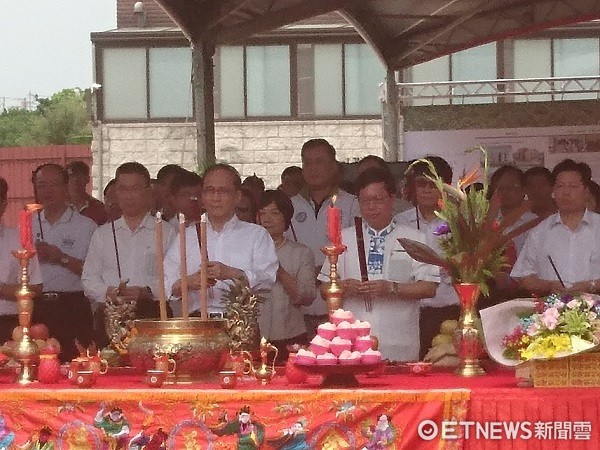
x=25, y=232
x=334, y=223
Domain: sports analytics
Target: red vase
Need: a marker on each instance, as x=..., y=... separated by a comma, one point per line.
x=49, y=369
x=468, y=338
x=293, y=373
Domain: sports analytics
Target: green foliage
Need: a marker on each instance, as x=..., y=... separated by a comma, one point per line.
x=60, y=119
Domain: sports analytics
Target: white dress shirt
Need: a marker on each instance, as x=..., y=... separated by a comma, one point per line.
x=393, y=320
x=575, y=253
x=137, y=257
x=71, y=234
x=242, y=245
x=10, y=270
x=310, y=228
x=445, y=295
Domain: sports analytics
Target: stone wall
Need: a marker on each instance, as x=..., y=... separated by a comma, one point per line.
x=263, y=148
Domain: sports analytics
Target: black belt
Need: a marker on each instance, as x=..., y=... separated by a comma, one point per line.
x=55, y=295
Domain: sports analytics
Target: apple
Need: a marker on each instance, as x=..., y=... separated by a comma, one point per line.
x=441, y=339
x=39, y=331
x=17, y=333
x=448, y=327
x=8, y=348
x=52, y=347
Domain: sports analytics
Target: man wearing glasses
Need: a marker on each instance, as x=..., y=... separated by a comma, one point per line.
x=235, y=248
x=125, y=250
x=62, y=239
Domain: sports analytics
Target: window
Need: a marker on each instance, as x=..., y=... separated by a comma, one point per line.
x=147, y=83
x=319, y=68
x=323, y=80
x=532, y=60
x=477, y=63
x=170, y=82
x=124, y=83
x=431, y=71
x=268, y=80
x=576, y=57
x=363, y=75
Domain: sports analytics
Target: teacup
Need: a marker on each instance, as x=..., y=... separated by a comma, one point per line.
x=155, y=378
x=164, y=363
x=84, y=378
x=75, y=366
x=228, y=379
x=97, y=365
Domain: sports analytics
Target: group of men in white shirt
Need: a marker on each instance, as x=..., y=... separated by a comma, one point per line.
x=81, y=265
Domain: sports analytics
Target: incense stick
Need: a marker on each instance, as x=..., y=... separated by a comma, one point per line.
x=556, y=271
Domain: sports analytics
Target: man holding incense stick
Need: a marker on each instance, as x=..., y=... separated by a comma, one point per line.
x=235, y=248
x=125, y=250
x=563, y=252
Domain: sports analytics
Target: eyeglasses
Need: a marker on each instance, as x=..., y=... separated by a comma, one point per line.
x=373, y=200
x=135, y=189
x=218, y=191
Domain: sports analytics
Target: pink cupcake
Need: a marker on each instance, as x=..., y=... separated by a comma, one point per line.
x=371, y=357
x=326, y=359
x=345, y=330
x=349, y=358
x=362, y=328
x=338, y=345
x=319, y=345
x=305, y=358
x=326, y=330
x=363, y=343
x=340, y=315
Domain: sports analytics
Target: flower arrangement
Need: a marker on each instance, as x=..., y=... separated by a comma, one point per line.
x=471, y=238
x=560, y=325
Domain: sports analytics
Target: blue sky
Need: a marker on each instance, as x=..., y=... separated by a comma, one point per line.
x=45, y=44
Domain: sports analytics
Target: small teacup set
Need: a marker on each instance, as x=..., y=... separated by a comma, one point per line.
x=163, y=366
x=84, y=371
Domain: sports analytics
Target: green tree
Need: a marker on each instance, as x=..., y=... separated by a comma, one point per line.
x=60, y=119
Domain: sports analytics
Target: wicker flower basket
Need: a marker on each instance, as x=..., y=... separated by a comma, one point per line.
x=576, y=370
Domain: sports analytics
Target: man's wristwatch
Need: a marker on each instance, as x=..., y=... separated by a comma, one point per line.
x=64, y=260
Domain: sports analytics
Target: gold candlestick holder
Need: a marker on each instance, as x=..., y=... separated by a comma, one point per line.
x=26, y=351
x=332, y=292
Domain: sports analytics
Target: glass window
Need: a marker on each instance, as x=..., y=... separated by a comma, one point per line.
x=576, y=57
x=124, y=83
x=364, y=73
x=170, y=82
x=268, y=80
x=229, y=79
x=319, y=80
x=431, y=71
x=477, y=63
x=532, y=60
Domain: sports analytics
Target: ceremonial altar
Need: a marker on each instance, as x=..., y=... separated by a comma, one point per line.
x=290, y=416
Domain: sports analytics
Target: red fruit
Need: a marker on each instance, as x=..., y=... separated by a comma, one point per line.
x=17, y=333
x=39, y=331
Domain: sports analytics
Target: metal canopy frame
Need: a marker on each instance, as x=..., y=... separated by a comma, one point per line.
x=402, y=32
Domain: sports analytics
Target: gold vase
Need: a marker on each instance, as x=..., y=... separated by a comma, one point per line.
x=468, y=338
x=332, y=291
x=199, y=347
x=26, y=351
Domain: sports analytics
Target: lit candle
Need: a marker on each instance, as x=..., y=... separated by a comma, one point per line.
x=160, y=267
x=183, y=268
x=334, y=223
x=25, y=233
x=203, y=269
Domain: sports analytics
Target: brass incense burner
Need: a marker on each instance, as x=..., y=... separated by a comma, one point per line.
x=199, y=347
